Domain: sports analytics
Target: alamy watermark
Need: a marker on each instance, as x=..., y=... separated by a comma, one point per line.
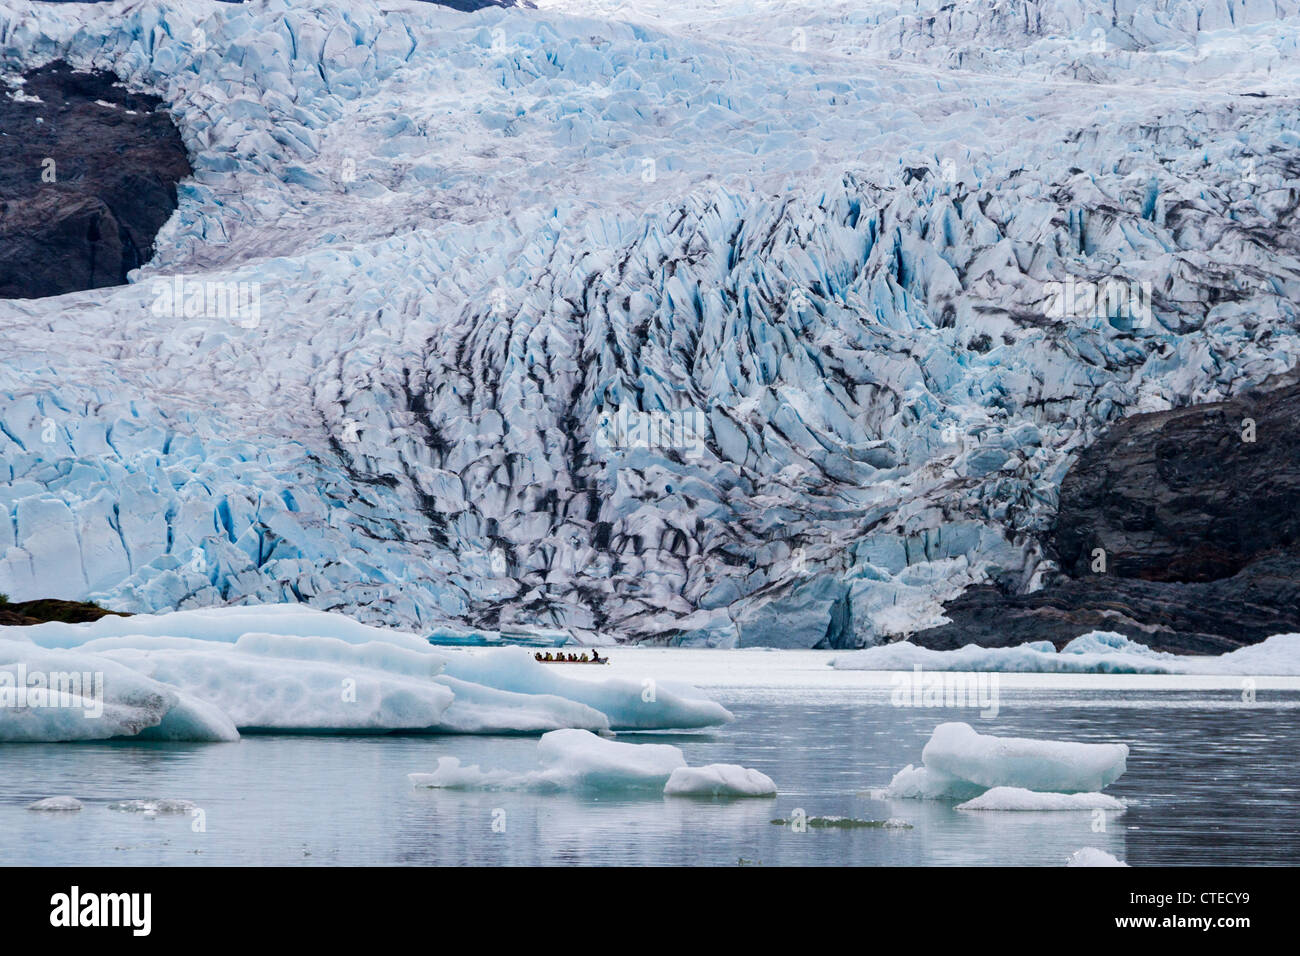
x=626, y=428
x=1108, y=299
x=80, y=690
x=182, y=298
x=918, y=688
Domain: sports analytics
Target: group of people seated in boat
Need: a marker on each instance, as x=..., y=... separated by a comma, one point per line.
x=572, y=658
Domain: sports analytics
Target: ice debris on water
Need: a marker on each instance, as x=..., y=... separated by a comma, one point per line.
x=580, y=760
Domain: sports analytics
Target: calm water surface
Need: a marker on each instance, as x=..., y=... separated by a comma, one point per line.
x=1210, y=781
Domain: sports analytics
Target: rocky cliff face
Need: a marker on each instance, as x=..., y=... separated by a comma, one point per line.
x=90, y=173
x=1179, y=529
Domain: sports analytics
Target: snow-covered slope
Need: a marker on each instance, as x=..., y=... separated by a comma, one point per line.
x=755, y=321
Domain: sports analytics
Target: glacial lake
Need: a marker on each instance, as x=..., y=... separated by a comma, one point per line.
x=1212, y=779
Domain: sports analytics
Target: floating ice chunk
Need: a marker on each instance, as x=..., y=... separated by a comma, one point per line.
x=629, y=705
x=1091, y=856
x=926, y=783
x=194, y=720
x=477, y=709
x=56, y=804
x=154, y=805
x=572, y=760
x=1018, y=798
x=719, y=780
x=1044, y=765
x=844, y=823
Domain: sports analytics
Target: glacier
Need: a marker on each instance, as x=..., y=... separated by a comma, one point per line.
x=213, y=673
x=749, y=324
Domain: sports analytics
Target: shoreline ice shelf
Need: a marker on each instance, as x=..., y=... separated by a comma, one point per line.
x=214, y=673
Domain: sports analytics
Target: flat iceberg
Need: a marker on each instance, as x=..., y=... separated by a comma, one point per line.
x=154, y=805
x=1097, y=652
x=56, y=805
x=960, y=764
x=1043, y=765
x=719, y=780
x=572, y=760
x=1018, y=798
x=580, y=760
x=209, y=674
x=1091, y=856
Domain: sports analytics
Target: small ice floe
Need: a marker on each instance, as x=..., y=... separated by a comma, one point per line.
x=843, y=823
x=153, y=807
x=56, y=804
x=719, y=780
x=1091, y=856
x=960, y=764
x=578, y=759
x=1018, y=798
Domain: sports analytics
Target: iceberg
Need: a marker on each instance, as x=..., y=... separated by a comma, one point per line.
x=580, y=760
x=61, y=695
x=1018, y=798
x=212, y=673
x=1044, y=765
x=56, y=805
x=1091, y=856
x=572, y=759
x=1096, y=652
x=960, y=764
x=926, y=783
x=719, y=780
x=154, y=805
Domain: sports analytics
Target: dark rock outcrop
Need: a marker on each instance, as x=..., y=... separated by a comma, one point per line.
x=88, y=175
x=1199, y=526
x=24, y=613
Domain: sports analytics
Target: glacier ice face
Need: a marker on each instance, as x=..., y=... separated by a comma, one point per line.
x=210, y=673
x=755, y=324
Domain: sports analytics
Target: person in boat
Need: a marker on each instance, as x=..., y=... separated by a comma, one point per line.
x=538, y=655
x=582, y=658
x=595, y=657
